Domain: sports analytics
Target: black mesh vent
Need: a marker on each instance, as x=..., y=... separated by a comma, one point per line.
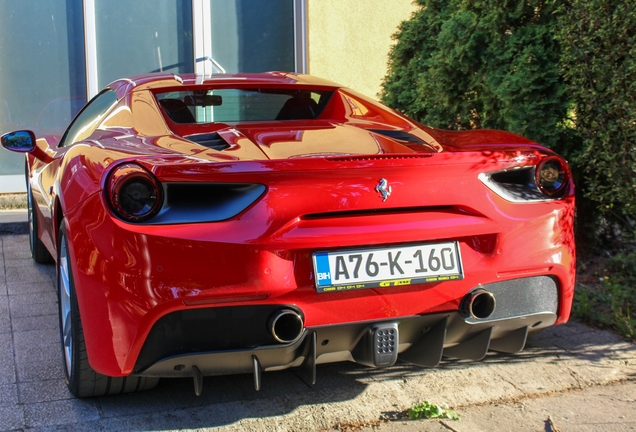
x=210, y=140
x=376, y=157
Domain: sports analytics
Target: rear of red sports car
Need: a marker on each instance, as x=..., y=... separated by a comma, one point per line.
x=332, y=230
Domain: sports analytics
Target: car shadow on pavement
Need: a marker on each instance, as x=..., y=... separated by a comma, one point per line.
x=33, y=393
x=231, y=399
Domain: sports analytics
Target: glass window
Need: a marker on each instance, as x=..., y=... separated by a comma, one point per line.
x=90, y=117
x=42, y=79
x=241, y=105
x=253, y=35
x=135, y=37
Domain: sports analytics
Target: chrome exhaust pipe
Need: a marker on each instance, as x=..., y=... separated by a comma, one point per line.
x=286, y=325
x=477, y=304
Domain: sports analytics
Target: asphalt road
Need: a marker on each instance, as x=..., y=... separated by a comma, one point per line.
x=569, y=378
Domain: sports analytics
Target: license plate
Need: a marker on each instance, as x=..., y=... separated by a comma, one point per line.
x=387, y=267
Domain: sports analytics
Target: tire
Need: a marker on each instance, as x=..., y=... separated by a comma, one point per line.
x=39, y=252
x=81, y=379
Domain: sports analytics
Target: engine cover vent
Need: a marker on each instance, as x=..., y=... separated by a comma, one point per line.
x=210, y=140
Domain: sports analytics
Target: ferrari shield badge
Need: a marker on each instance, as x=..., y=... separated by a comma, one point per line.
x=383, y=189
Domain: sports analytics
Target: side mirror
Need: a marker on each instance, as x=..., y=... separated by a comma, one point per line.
x=19, y=141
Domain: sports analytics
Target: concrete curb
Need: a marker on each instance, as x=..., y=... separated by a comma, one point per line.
x=13, y=221
x=556, y=359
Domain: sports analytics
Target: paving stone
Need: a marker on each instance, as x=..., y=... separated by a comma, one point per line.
x=157, y=400
x=5, y=323
x=114, y=424
x=32, y=299
x=589, y=342
x=7, y=365
x=41, y=322
x=44, y=391
x=8, y=394
x=39, y=353
x=11, y=418
x=28, y=372
x=60, y=412
x=20, y=275
x=35, y=337
x=273, y=384
x=31, y=288
x=21, y=241
x=13, y=254
x=17, y=262
x=28, y=262
x=20, y=310
x=5, y=320
x=216, y=390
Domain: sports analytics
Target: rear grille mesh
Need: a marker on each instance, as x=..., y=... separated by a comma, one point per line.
x=376, y=157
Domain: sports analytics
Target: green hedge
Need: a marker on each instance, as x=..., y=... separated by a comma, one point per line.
x=562, y=73
x=598, y=61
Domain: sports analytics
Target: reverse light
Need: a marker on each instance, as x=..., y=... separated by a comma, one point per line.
x=551, y=176
x=134, y=194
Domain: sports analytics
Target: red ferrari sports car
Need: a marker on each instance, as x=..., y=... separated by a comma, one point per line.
x=209, y=225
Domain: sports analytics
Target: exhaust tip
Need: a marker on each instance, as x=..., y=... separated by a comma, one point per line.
x=286, y=325
x=478, y=304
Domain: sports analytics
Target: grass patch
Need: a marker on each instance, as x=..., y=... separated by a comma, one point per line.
x=13, y=201
x=427, y=410
x=608, y=296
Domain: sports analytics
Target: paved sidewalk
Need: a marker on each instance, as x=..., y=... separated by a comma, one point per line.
x=13, y=222
x=33, y=394
x=603, y=408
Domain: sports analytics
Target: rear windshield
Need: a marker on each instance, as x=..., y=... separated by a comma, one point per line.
x=241, y=105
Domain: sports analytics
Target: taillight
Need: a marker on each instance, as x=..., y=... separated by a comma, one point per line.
x=134, y=194
x=551, y=176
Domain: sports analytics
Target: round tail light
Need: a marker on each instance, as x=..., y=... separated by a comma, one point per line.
x=552, y=176
x=134, y=194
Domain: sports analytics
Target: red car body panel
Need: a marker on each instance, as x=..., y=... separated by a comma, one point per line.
x=320, y=179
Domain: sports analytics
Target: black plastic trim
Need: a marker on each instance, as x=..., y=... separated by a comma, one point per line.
x=205, y=202
x=211, y=329
x=399, y=135
x=225, y=340
x=210, y=140
x=518, y=185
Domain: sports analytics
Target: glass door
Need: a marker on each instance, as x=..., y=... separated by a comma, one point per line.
x=252, y=36
x=42, y=73
x=71, y=49
x=125, y=38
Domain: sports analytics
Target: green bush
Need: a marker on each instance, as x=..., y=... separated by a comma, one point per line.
x=560, y=72
x=463, y=64
x=598, y=61
x=613, y=302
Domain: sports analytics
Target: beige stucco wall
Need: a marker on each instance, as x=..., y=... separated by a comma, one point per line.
x=348, y=40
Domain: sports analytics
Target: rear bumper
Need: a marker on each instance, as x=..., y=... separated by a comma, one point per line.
x=522, y=305
x=130, y=276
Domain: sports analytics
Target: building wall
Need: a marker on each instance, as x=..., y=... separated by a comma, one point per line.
x=349, y=40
